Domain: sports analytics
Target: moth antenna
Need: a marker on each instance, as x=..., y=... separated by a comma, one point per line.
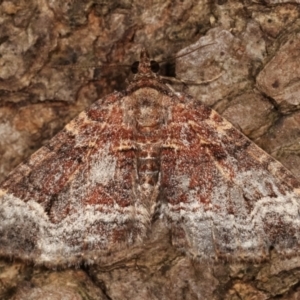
x=77, y=66
x=190, y=82
x=184, y=54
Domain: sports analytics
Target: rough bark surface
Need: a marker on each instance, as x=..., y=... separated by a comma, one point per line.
x=57, y=57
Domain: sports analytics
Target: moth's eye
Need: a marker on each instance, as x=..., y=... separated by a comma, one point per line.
x=154, y=66
x=135, y=67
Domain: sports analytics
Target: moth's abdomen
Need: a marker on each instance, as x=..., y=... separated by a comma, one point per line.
x=147, y=186
x=148, y=164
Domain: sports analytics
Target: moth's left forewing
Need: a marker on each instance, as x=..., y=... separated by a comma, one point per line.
x=73, y=199
x=225, y=196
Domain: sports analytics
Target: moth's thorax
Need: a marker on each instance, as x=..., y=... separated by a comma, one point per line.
x=148, y=110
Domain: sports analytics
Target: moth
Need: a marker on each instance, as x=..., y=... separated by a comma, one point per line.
x=142, y=154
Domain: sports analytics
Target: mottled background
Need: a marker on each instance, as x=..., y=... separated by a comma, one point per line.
x=57, y=57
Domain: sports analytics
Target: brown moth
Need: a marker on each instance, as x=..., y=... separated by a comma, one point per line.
x=142, y=154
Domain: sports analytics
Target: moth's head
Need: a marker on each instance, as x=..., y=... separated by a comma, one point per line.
x=145, y=66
